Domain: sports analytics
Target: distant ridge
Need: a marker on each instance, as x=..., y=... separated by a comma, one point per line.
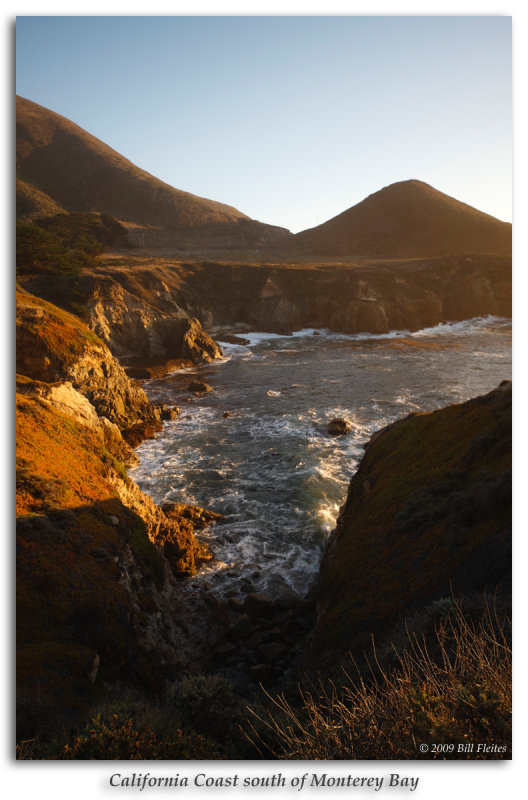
x=61, y=166
x=409, y=219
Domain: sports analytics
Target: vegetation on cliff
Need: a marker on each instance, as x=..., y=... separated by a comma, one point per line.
x=447, y=696
x=428, y=513
x=97, y=599
x=412, y=643
x=65, y=243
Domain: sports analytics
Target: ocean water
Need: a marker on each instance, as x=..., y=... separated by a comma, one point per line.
x=271, y=468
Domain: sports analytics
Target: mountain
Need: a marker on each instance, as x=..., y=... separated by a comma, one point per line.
x=409, y=219
x=61, y=167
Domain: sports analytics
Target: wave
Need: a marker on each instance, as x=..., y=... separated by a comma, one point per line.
x=256, y=338
x=465, y=326
x=272, y=469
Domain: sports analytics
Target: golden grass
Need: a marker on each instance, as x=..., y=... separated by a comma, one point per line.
x=461, y=696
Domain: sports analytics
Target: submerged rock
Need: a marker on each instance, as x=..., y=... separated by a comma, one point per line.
x=339, y=427
x=199, y=386
x=170, y=413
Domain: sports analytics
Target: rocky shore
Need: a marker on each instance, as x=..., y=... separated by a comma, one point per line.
x=110, y=562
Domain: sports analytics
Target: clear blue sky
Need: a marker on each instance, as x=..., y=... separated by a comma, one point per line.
x=290, y=119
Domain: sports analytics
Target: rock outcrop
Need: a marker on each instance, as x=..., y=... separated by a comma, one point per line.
x=428, y=514
x=99, y=565
x=150, y=327
x=55, y=346
x=373, y=297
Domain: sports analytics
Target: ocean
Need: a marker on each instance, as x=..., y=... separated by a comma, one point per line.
x=271, y=468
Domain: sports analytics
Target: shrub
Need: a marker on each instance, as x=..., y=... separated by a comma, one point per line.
x=462, y=696
x=65, y=243
x=121, y=740
x=208, y=705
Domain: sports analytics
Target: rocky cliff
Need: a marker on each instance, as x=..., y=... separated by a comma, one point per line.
x=162, y=309
x=428, y=515
x=149, y=329
x=350, y=298
x=140, y=324
x=98, y=563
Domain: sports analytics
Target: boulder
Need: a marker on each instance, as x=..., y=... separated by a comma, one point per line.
x=257, y=604
x=226, y=650
x=241, y=628
x=137, y=433
x=200, y=517
x=256, y=640
x=169, y=413
x=260, y=672
x=339, y=427
x=272, y=651
x=199, y=386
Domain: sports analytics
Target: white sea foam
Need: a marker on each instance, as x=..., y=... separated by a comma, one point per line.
x=256, y=338
x=465, y=326
x=272, y=469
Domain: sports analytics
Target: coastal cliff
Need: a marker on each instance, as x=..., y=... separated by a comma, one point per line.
x=161, y=311
x=373, y=297
x=427, y=517
x=102, y=608
x=98, y=563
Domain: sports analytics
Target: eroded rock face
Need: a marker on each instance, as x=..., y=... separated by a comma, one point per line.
x=100, y=377
x=135, y=328
x=354, y=298
x=171, y=528
x=54, y=346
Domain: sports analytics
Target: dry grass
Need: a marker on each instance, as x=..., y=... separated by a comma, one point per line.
x=459, y=695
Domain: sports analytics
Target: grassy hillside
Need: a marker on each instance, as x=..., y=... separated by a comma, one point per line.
x=407, y=220
x=61, y=166
x=428, y=513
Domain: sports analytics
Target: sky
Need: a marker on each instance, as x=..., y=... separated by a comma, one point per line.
x=291, y=119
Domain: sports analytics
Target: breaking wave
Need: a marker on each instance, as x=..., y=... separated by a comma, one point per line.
x=271, y=468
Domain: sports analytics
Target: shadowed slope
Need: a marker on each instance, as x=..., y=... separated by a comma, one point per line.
x=428, y=513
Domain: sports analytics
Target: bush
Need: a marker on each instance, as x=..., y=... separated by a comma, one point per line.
x=121, y=740
x=65, y=243
x=208, y=705
x=38, y=250
x=462, y=696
